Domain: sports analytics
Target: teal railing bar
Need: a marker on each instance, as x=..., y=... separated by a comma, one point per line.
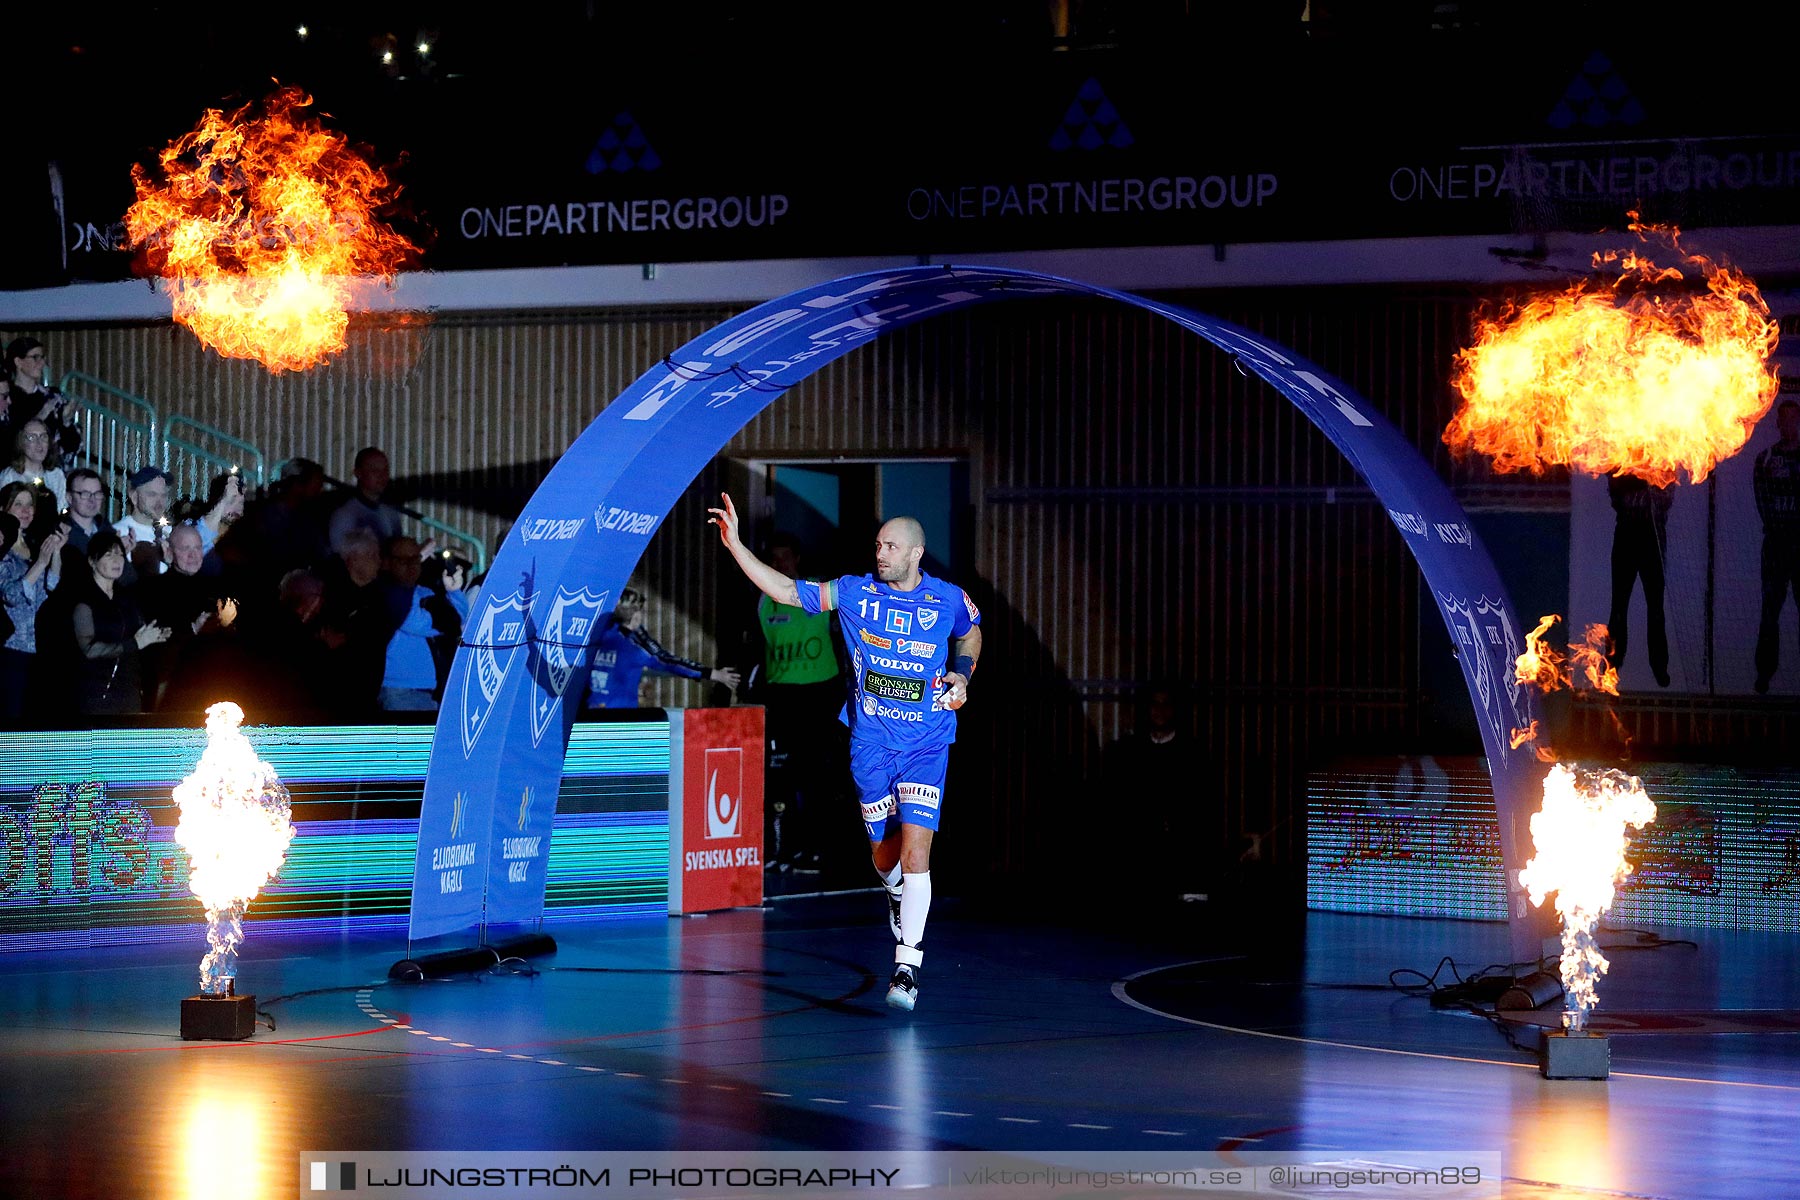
x=248, y=461
x=477, y=552
x=118, y=433
x=146, y=415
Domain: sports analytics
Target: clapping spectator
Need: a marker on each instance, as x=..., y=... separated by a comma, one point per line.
x=82, y=517
x=26, y=576
x=33, y=397
x=191, y=605
x=110, y=635
x=146, y=525
x=31, y=462
x=9, y=533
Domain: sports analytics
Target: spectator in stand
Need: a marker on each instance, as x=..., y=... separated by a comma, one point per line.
x=192, y=606
x=27, y=573
x=446, y=576
x=286, y=529
x=9, y=533
x=87, y=495
x=146, y=525
x=364, y=508
x=356, y=626
x=6, y=412
x=288, y=657
x=32, y=397
x=410, y=681
x=110, y=634
x=31, y=463
x=224, y=505
x=282, y=530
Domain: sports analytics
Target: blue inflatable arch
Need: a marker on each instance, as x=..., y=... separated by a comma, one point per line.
x=496, y=761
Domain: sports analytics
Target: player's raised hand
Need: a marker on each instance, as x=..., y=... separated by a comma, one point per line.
x=727, y=520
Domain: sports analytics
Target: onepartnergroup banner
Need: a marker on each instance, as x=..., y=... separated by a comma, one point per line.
x=961, y=1175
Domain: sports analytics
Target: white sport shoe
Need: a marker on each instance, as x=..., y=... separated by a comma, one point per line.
x=903, y=989
x=894, y=915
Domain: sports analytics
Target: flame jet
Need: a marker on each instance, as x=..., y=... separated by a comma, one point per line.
x=1640, y=369
x=1579, y=836
x=235, y=826
x=263, y=226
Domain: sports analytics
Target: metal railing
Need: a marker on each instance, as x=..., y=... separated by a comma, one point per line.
x=477, y=553
x=449, y=537
x=192, y=465
x=114, y=443
x=121, y=432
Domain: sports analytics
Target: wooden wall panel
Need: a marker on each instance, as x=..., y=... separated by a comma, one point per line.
x=1142, y=509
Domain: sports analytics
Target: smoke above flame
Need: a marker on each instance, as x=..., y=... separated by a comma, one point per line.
x=235, y=826
x=1579, y=838
x=1645, y=369
x=264, y=226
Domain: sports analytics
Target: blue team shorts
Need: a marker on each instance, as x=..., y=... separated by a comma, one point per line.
x=904, y=786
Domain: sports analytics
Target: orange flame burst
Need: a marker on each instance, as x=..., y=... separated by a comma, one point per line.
x=1655, y=371
x=1544, y=668
x=264, y=224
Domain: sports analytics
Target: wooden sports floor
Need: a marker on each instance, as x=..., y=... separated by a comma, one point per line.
x=767, y=1029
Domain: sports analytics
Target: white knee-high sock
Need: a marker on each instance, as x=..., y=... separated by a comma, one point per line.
x=892, y=878
x=915, y=902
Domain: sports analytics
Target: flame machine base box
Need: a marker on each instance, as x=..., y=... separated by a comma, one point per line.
x=1576, y=1056
x=218, y=1018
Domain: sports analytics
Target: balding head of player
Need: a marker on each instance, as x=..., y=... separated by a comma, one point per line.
x=898, y=548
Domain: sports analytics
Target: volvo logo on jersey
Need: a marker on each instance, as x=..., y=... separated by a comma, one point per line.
x=715, y=808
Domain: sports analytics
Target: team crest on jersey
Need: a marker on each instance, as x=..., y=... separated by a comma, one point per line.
x=927, y=617
x=868, y=705
x=565, y=633
x=499, y=633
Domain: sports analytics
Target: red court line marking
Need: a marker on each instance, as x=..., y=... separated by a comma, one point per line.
x=324, y=1037
x=1229, y=1144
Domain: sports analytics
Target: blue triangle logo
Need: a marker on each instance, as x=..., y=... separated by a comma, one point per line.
x=1596, y=98
x=1090, y=122
x=621, y=147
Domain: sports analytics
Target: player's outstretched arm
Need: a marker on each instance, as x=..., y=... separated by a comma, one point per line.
x=774, y=584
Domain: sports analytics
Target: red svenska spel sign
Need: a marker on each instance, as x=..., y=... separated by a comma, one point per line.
x=715, y=808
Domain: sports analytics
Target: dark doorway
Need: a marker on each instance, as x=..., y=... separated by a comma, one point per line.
x=835, y=507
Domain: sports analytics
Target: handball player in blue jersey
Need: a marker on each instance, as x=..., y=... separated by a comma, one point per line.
x=913, y=642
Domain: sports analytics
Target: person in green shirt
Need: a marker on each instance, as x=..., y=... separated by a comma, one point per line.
x=797, y=676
